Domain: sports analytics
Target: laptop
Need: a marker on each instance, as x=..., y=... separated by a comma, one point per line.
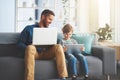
x=44, y=36
x=74, y=47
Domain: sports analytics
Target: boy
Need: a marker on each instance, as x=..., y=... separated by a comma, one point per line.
x=73, y=56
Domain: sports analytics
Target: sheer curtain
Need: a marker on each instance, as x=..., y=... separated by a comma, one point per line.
x=83, y=15
x=115, y=19
x=104, y=12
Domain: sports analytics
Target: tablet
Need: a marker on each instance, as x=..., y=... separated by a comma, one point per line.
x=74, y=47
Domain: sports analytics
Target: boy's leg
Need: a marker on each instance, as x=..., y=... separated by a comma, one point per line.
x=72, y=68
x=84, y=62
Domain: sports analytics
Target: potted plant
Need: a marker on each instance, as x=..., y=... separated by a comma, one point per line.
x=105, y=33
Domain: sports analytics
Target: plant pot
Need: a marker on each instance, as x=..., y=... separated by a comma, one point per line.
x=105, y=40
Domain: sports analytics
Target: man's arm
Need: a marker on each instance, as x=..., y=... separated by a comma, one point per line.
x=22, y=40
x=25, y=39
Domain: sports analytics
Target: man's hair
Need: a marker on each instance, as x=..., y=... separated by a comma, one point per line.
x=47, y=12
x=67, y=28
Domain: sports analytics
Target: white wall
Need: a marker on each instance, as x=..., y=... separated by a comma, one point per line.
x=93, y=15
x=87, y=15
x=83, y=15
x=7, y=15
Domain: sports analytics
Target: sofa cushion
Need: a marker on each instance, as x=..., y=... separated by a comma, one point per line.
x=12, y=68
x=8, y=50
x=9, y=38
x=85, y=39
x=95, y=66
x=44, y=69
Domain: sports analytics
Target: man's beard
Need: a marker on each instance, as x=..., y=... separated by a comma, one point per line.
x=44, y=24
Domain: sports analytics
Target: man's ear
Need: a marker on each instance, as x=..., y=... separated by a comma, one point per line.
x=43, y=17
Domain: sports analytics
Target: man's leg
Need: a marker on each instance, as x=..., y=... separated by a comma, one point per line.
x=57, y=52
x=30, y=55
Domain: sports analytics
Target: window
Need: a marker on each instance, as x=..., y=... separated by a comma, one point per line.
x=109, y=13
x=115, y=19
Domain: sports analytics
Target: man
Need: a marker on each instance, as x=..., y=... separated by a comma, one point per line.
x=32, y=53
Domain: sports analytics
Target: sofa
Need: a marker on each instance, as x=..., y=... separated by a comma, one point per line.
x=101, y=61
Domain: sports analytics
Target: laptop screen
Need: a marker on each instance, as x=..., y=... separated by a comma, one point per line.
x=44, y=36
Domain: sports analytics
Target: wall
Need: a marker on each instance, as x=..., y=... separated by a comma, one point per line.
x=7, y=15
x=83, y=15
x=87, y=15
x=93, y=16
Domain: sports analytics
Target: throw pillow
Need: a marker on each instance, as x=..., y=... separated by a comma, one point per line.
x=85, y=39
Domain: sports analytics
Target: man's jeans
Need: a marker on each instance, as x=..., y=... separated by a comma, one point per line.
x=54, y=51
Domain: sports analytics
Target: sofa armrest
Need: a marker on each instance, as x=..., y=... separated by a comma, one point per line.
x=108, y=56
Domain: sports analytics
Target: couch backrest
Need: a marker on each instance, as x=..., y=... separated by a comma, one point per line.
x=9, y=38
x=8, y=44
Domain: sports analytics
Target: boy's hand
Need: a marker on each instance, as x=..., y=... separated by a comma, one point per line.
x=82, y=48
x=65, y=48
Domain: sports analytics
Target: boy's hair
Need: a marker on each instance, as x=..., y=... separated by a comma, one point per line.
x=67, y=28
x=47, y=12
